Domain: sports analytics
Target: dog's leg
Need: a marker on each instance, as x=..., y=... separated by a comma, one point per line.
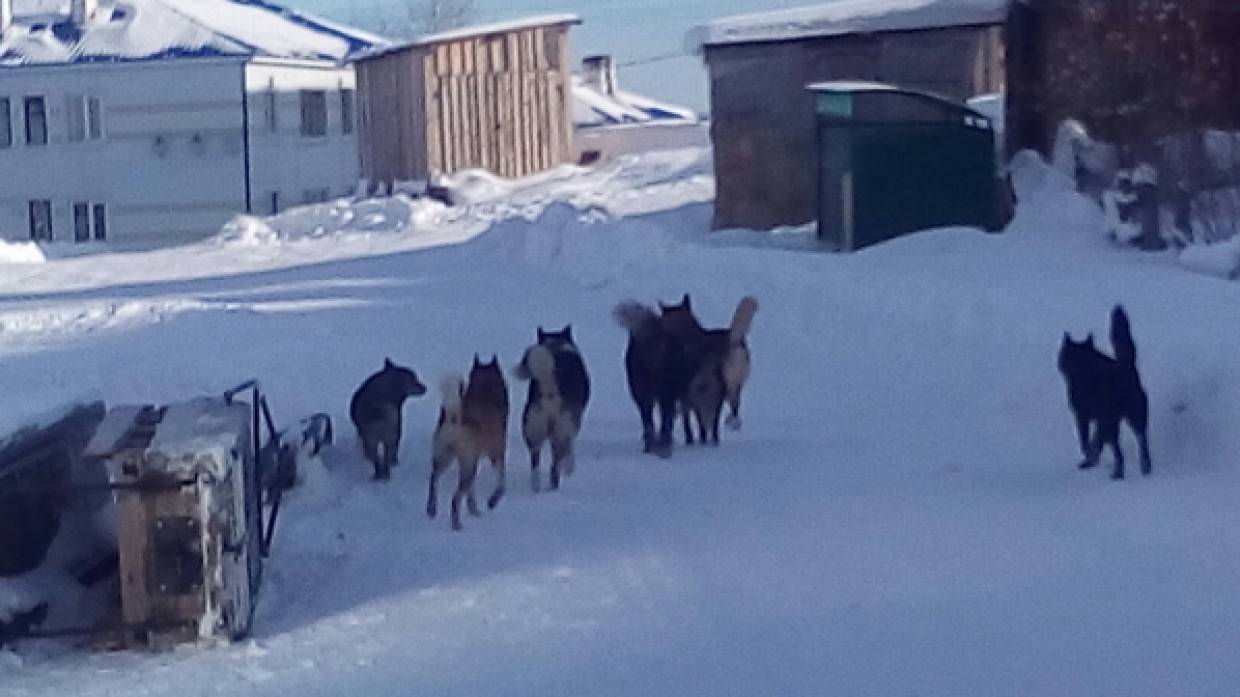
x=1110, y=435
x=432, y=498
x=1147, y=466
x=535, y=457
x=734, y=403
x=370, y=448
x=686, y=414
x=646, y=409
x=1089, y=448
x=464, y=489
x=393, y=458
x=667, y=424
x=497, y=461
x=716, y=413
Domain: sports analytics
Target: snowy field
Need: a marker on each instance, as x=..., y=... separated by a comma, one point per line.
x=901, y=514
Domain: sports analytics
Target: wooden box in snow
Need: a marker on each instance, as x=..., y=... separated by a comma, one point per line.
x=188, y=518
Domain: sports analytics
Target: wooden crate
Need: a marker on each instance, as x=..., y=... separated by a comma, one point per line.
x=188, y=518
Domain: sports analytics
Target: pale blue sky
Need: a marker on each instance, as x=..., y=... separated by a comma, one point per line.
x=629, y=29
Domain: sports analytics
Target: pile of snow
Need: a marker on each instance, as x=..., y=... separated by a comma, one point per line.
x=396, y=215
x=21, y=253
x=845, y=17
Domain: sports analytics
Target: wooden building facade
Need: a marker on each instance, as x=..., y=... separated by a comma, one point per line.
x=496, y=97
x=1131, y=71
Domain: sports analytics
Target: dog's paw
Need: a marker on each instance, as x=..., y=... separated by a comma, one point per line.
x=1087, y=464
x=733, y=423
x=1117, y=477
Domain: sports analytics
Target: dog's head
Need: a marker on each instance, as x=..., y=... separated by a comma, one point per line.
x=557, y=340
x=486, y=373
x=405, y=380
x=1074, y=355
x=678, y=318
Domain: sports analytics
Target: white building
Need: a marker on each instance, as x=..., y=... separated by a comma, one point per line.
x=610, y=121
x=152, y=122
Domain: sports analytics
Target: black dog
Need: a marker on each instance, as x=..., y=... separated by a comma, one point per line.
x=376, y=412
x=658, y=371
x=1103, y=391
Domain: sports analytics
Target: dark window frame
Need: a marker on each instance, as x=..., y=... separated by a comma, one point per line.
x=28, y=111
x=313, y=113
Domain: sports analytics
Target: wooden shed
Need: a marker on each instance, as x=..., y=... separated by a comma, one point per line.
x=495, y=97
x=763, y=117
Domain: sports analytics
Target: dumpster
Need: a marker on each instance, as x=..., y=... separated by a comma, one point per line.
x=893, y=161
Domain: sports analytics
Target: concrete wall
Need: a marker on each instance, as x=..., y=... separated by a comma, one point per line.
x=169, y=166
x=762, y=117
x=612, y=141
x=294, y=167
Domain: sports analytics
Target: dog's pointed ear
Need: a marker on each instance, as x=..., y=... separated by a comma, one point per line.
x=495, y=359
x=387, y=363
x=568, y=331
x=686, y=302
x=541, y=335
x=477, y=363
x=1089, y=340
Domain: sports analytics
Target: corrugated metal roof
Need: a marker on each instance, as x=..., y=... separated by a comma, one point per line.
x=124, y=30
x=845, y=17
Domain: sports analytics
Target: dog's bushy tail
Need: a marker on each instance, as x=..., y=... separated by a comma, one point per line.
x=640, y=320
x=1121, y=337
x=453, y=388
x=742, y=319
x=540, y=363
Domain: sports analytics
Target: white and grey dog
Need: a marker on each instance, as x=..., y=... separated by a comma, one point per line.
x=556, y=402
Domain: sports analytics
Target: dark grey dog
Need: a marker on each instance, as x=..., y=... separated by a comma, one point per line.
x=376, y=412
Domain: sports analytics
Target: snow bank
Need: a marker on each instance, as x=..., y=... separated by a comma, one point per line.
x=21, y=253
x=1219, y=259
x=397, y=215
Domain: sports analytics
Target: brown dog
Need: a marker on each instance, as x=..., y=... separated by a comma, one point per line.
x=473, y=423
x=719, y=360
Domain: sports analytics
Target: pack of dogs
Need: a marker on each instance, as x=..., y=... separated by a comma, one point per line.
x=674, y=367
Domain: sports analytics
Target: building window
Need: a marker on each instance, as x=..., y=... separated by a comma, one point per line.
x=274, y=198
x=313, y=113
x=94, y=118
x=75, y=112
x=100, y=222
x=346, y=111
x=6, y=124
x=36, y=121
x=271, y=114
x=316, y=195
x=40, y=220
x=81, y=222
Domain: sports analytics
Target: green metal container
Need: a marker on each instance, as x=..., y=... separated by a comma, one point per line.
x=893, y=161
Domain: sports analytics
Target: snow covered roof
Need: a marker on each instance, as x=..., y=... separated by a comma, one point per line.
x=124, y=30
x=478, y=30
x=592, y=108
x=845, y=17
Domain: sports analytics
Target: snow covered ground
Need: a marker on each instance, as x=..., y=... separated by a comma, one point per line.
x=901, y=514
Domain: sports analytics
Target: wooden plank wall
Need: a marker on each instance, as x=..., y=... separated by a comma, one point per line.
x=498, y=102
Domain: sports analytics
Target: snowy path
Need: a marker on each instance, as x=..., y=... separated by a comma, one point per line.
x=901, y=514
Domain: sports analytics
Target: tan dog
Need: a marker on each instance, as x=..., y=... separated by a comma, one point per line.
x=473, y=423
x=719, y=361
